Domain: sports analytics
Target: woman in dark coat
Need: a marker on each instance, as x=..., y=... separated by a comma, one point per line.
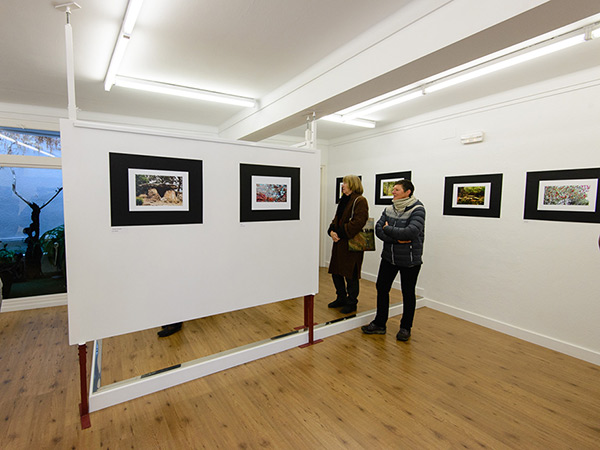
x=345, y=266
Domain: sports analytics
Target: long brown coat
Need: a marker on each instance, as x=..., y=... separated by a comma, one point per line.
x=343, y=261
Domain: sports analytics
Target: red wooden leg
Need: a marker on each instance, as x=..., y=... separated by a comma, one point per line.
x=84, y=408
x=309, y=311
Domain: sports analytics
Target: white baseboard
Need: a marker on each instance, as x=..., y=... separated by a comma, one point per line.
x=121, y=391
x=567, y=348
x=527, y=335
x=40, y=301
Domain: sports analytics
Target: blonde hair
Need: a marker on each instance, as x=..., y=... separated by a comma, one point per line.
x=354, y=184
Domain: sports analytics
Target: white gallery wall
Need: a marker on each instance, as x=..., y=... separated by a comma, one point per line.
x=538, y=280
x=127, y=278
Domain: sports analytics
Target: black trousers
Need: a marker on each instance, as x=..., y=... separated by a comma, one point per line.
x=408, y=279
x=346, y=288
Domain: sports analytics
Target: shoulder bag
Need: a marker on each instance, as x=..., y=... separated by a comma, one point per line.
x=364, y=241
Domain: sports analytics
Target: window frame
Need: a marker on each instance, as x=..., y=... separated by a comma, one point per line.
x=34, y=162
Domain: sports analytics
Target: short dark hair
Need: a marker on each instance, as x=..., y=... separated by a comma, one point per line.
x=406, y=186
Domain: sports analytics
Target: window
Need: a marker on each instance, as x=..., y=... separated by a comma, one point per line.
x=32, y=244
x=14, y=141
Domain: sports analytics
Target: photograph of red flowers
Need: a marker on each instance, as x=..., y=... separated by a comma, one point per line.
x=269, y=193
x=563, y=195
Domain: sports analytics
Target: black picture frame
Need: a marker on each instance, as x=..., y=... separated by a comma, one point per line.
x=121, y=213
x=338, y=187
x=540, y=185
x=248, y=204
x=381, y=178
x=490, y=197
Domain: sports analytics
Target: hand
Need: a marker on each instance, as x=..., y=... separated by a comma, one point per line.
x=404, y=242
x=334, y=236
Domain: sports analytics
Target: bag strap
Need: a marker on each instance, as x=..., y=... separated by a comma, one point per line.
x=352, y=215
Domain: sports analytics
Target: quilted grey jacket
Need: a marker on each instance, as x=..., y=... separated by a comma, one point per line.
x=408, y=225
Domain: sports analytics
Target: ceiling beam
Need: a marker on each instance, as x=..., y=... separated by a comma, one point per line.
x=440, y=45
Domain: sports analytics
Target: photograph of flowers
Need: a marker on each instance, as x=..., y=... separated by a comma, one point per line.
x=152, y=190
x=269, y=193
x=384, y=183
x=473, y=195
x=563, y=195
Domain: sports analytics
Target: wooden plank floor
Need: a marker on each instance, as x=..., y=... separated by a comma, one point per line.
x=454, y=384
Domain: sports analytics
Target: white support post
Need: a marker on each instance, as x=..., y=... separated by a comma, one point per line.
x=72, y=108
x=70, y=72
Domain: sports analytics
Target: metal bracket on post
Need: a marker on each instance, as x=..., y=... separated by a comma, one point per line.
x=310, y=135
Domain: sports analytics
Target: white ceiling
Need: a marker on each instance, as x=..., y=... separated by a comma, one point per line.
x=253, y=48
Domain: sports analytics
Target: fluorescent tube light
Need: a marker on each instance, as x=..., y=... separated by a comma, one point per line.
x=438, y=86
x=383, y=105
x=131, y=14
x=184, y=91
x=464, y=73
x=356, y=122
x=7, y=138
x=115, y=61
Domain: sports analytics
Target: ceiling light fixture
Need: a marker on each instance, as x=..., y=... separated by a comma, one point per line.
x=441, y=81
x=356, y=122
x=384, y=104
x=546, y=50
x=131, y=14
x=183, y=91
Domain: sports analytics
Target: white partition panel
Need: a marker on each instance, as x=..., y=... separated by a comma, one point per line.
x=129, y=278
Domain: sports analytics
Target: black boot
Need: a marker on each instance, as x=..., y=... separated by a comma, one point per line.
x=168, y=330
x=337, y=303
x=349, y=307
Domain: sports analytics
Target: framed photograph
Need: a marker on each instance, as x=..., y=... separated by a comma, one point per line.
x=338, y=188
x=153, y=190
x=158, y=190
x=563, y=195
x=269, y=193
x=384, y=183
x=473, y=195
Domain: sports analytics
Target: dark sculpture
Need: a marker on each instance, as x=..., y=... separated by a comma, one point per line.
x=33, y=254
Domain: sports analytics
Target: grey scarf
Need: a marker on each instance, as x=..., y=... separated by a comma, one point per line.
x=402, y=203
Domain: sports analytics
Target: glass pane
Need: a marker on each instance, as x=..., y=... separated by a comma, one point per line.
x=14, y=141
x=32, y=243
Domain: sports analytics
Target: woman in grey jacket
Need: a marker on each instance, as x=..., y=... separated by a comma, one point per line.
x=402, y=230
